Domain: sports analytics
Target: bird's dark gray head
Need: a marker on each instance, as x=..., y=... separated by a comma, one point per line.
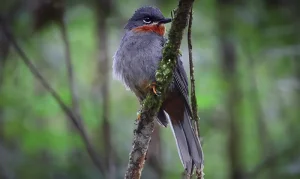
x=146, y=16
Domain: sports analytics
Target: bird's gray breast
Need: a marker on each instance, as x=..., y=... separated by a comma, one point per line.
x=137, y=58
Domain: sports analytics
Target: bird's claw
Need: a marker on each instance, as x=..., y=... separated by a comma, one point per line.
x=138, y=115
x=154, y=89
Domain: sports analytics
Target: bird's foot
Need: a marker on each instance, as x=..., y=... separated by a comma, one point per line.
x=154, y=89
x=138, y=115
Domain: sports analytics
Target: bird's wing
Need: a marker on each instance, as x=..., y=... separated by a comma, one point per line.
x=181, y=82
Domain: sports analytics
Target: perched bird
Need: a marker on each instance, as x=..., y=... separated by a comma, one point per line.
x=135, y=64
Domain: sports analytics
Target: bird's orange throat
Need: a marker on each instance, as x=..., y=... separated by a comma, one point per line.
x=159, y=29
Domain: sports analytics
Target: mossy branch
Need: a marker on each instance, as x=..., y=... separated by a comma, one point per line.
x=152, y=103
x=195, y=122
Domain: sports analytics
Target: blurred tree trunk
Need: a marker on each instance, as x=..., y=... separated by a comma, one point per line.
x=103, y=10
x=233, y=99
x=8, y=14
x=9, y=17
x=4, y=47
x=289, y=11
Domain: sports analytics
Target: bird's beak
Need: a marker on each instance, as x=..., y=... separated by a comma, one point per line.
x=165, y=21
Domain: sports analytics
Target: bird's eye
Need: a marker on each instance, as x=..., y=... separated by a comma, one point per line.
x=147, y=20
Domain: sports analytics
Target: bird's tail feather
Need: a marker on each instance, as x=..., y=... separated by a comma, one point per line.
x=188, y=144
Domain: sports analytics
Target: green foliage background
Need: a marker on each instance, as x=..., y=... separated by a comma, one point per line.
x=36, y=140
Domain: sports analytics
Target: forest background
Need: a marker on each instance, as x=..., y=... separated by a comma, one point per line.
x=247, y=69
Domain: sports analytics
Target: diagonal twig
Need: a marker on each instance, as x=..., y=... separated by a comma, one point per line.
x=195, y=122
x=69, y=65
x=54, y=94
x=152, y=103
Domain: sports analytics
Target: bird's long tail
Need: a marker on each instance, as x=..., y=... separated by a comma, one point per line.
x=188, y=144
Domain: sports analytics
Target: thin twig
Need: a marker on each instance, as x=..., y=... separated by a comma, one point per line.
x=103, y=83
x=72, y=86
x=199, y=172
x=152, y=103
x=54, y=94
x=192, y=77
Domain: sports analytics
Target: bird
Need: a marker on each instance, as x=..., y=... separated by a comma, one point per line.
x=135, y=63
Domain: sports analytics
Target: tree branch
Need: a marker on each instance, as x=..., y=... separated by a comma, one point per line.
x=103, y=81
x=152, y=103
x=72, y=86
x=195, y=122
x=192, y=77
x=54, y=94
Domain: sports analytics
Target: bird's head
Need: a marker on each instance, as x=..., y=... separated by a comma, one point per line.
x=147, y=19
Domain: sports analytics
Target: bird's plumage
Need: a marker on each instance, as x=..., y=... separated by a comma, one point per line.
x=135, y=64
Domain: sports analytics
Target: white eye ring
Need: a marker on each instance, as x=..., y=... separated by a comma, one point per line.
x=147, y=21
